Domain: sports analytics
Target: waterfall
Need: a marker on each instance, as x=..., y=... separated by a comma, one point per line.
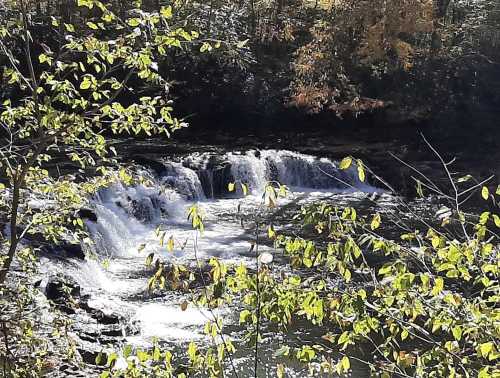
x=255, y=168
x=127, y=217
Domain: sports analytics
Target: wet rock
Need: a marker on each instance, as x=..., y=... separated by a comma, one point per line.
x=91, y=353
x=157, y=166
x=61, y=289
x=142, y=209
x=74, y=251
x=89, y=214
x=99, y=315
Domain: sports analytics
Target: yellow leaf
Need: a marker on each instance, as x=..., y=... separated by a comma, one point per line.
x=230, y=186
x=375, y=222
x=244, y=188
x=170, y=244
x=345, y=163
x=270, y=232
x=496, y=219
x=361, y=171
x=346, y=364
x=280, y=371
x=485, y=193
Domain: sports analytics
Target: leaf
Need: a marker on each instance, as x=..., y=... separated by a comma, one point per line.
x=485, y=349
x=184, y=306
x=375, y=223
x=361, y=171
x=70, y=28
x=242, y=44
x=496, y=219
x=346, y=364
x=436, y=241
x=91, y=25
x=141, y=247
x=483, y=219
x=230, y=186
x=166, y=12
x=270, y=232
x=280, y=371
x=345, y=163
x=457, y=332
x=404, y=334
x=149, y=259
x=244, y=188
x=485, y=193
x=85, y=84
x=133, y=22
x=420, y=191
x=464, y=178
x=170, y=244
x=498, y=191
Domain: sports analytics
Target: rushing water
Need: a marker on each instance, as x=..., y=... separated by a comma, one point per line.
x=128, y=216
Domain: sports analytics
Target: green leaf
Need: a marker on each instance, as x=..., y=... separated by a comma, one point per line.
x=485, y=193
x=404, y=334
x=361, y=171
x=170, y=244
x=375, y=223
x=70, y=28
x=134, y=22
x=346, y=364
x=166, y=12
x=242, y=44
x=280, y=371
x=496, y=219
x=93, y=26
x=420, y=190
x=85, y=84
x=483, y=219
x=457, y=332
x=245, y=189
x=244, y=316
x=345, y=163
x=464, y=178
x=485, y=349
x=270, y=232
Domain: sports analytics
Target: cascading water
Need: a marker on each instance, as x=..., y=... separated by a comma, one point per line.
x=128, y=216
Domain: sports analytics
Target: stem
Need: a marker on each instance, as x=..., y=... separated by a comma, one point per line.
x=18, y=180
x=257, y=283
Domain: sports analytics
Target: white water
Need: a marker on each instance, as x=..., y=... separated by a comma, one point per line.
x=128, y=217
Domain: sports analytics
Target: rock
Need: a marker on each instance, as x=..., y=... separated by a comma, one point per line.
x=63, y=250
x=157, y=166
x=73, y=251
x=90, y=353
x=61, y=289
x=89, y=214
x=99, y=315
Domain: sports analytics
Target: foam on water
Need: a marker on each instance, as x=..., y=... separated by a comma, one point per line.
x=128, y=216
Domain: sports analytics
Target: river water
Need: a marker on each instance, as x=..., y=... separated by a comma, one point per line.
x=127, y=218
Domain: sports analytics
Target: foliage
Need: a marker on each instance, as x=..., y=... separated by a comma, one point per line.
x=95, y=80
x=422, y=304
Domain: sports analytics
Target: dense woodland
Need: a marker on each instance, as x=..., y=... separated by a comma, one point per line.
x=410, y=290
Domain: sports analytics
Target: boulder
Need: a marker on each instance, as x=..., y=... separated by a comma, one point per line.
x=89, y=214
